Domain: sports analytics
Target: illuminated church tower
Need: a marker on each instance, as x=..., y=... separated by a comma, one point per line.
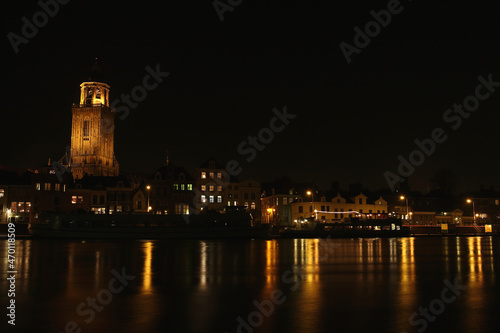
x=92, y=133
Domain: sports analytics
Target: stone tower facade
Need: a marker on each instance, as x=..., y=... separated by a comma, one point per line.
x=92, y=133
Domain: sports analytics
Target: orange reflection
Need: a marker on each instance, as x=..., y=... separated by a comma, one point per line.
x=147, y=271
x=272, y=254
x=407, y=293
x=306, y=253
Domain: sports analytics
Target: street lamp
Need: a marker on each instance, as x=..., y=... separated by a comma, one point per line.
x=406, y=199
x=311, y=194
x=473, y=209
x=148, y=188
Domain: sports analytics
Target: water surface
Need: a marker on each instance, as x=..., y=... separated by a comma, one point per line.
x=286, y=285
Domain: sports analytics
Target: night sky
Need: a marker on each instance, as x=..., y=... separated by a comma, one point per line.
x=353, y=120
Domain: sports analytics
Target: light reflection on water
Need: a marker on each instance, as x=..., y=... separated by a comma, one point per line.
x=329, y=285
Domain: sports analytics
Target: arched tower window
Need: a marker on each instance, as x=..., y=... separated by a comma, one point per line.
x=86, y=130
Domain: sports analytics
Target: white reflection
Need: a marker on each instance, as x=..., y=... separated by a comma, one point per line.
x=203, y=264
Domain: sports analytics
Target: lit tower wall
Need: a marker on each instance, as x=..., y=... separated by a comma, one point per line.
x=92, y=134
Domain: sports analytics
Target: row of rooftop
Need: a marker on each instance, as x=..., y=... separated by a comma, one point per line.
x=174, y=190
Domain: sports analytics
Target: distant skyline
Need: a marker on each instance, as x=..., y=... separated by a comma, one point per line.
x=353, y=119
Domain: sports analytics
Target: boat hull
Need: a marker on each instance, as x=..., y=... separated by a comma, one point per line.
x=342, y=234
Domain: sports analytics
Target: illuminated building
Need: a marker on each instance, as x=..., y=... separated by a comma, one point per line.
x=339, y=208
x=92, y=133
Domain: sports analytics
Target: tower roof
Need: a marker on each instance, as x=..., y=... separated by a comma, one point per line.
x=96, y=73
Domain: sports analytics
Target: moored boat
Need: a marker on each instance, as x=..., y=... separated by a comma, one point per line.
x=355, y=228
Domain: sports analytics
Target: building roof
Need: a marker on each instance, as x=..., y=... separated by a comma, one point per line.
x=172, y=172
x=206, y=164
x=13, y=178
x=93, y=182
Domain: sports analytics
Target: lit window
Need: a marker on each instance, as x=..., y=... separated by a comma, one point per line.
x=176, y=187
x=189, y=187
x=28, y=206
x=76, y=199
x=38, y=186
x=219, y=175
x=219, y=188
x=13, y=207
x=20, y=207
x=252, y=206
x=86, y=130
x=183, y=187
x=211, y=199
x=47, y=186
x=203, y=175
x=57, y=187
x=203, y=198
x=64, y=187
x=211, y=188
x=219, y=198
x=203, y=188
x=211, y=175
x=2, y=192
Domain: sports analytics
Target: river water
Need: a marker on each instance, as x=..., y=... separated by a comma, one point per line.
x=431, y=284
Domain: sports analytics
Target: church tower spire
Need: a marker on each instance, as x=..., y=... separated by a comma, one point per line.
x=92, y=134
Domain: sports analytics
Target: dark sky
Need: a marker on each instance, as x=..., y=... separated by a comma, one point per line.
x=353, y=120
